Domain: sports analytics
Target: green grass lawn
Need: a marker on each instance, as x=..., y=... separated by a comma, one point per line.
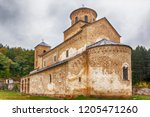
x=7, y=95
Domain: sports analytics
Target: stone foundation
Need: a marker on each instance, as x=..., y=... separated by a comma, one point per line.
x=141, y=91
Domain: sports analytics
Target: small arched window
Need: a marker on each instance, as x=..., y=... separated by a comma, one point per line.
x=55, y=58
x=125, y=72
x=86, y=19
x=50, y=78
x=76, y=19
x=67, y=53
x=79, y=79
x=44, y=63
x=44, y=51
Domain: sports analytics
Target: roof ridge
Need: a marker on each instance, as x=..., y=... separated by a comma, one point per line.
x=104, y=41
x=43, y=44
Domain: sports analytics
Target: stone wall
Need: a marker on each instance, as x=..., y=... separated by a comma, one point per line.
x=74, y=29
x=49, y=82
x=99, y=30
x=141, y=91
x=96, y=72
x=106, y=71
x=77, y=43
x=74, y=46
x=67, y=80
x=39, y=50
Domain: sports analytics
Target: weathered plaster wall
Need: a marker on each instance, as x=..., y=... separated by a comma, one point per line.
x=64, y=79
x=40, y=83
x=72, y=52
x=77, y=69
x=105, y=71
x=97, y=71
x=75, y=46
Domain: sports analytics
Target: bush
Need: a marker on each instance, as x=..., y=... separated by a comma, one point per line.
x=143, y=84
x=15, y=88
x=4, y=87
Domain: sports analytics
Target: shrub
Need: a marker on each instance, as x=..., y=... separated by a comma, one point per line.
x=4, y=87
x=143, y=84
x=15, y=88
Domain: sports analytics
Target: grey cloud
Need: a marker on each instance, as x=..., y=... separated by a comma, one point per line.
x=10, y=22
x=143, y=34
x=21, y=25
x=9, y=11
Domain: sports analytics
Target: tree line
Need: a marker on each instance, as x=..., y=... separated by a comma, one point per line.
x=15, y=62
x=18, y=62
x=140, y=64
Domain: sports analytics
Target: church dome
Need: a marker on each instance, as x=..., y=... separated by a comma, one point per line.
x=83, y=14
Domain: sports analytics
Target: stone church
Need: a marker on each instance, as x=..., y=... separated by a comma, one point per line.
x=90, y=61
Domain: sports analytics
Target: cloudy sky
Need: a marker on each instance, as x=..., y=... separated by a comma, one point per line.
x=26, y=22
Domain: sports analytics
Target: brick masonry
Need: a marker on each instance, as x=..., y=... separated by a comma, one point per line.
x=78, y=70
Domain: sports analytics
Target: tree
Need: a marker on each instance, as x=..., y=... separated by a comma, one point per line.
x=140, y=64
x=22, y=61
x=4, y=66
x=1, y=45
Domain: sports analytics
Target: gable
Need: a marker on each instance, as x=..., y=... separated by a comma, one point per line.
x=101, y=29
x=110, y=25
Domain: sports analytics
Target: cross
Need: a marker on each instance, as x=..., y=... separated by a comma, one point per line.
x=42, y=40
x=82, y=5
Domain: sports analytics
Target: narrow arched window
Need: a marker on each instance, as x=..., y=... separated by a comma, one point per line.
x=44, y=63
x=86, y=19
x=55, y=58
x=79, y=79
x=50, y=78
x=67, y=53
x=125, y=72
x=76, y=19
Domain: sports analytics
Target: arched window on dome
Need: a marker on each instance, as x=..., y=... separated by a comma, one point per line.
x=86, y=19
x=76, y=19
x=125, y=72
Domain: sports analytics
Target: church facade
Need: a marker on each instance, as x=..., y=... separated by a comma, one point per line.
x=91, y=61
